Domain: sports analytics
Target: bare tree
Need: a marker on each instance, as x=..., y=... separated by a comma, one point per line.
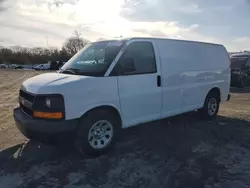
x=38, y=55
x=74, y=43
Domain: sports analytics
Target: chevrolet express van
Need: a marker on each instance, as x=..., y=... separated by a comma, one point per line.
x=116, y=84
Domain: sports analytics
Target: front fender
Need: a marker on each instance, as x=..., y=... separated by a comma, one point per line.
x=90, y=94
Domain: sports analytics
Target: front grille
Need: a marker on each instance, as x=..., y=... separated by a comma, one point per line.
x=27, y=96
x=26, y=110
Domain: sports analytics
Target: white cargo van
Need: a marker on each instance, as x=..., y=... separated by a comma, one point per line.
x=42, y=67
x=116, y=84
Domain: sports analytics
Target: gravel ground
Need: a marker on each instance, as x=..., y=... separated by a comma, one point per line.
x=183, y=151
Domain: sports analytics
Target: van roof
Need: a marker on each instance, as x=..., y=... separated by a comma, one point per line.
x=156, y=38
x=244, y=54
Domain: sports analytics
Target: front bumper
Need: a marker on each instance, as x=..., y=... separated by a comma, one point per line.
x=42, y=130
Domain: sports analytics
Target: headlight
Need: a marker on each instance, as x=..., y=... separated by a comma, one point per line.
x=49, y=106
x=52, y=103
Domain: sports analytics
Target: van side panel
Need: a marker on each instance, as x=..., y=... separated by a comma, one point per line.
x=189, y=71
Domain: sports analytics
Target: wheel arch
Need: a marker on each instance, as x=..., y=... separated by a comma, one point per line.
x=215, y=90
x=107, y=107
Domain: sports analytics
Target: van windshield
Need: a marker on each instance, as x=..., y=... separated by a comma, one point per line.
x=238, y=62
x=94, y=59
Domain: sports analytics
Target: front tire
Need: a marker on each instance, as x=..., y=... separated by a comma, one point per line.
x=211, y=106
x=97, y=132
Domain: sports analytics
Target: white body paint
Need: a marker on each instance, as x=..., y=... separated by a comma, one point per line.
x=188, y=70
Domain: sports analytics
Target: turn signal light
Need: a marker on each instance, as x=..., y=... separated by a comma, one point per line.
x=48, y=115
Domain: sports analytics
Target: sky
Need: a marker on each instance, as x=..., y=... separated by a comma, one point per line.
x=49, y=23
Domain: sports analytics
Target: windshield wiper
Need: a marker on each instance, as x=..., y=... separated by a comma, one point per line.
x=79, y=72
x=70, y=71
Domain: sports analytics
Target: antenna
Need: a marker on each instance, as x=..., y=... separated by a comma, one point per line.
x=47, y=43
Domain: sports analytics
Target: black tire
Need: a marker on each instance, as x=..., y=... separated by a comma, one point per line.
x=81, y=141
x=212, y=98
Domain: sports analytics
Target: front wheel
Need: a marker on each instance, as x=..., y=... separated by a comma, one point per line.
x=97, y=132
x=211, y=105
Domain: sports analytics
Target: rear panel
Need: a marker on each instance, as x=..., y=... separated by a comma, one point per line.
x=191, y=69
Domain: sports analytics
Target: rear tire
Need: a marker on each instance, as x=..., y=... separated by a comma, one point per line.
x=97, y=132
x=211, y=105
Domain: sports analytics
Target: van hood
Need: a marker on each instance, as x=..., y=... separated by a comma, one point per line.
x=49, y=83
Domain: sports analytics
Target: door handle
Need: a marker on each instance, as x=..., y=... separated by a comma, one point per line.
x=159, y=81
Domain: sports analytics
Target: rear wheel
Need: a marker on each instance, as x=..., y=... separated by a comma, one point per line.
x=97, y=132
x=211, y=105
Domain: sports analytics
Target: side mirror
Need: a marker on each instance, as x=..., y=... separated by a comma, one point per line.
x=128, y=65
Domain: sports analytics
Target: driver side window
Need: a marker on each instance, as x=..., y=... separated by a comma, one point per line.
x=138, y=58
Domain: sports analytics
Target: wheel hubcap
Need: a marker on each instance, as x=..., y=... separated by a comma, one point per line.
x=212, y=106
x=100, y=134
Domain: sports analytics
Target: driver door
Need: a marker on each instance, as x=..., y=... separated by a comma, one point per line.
x=138, y=83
